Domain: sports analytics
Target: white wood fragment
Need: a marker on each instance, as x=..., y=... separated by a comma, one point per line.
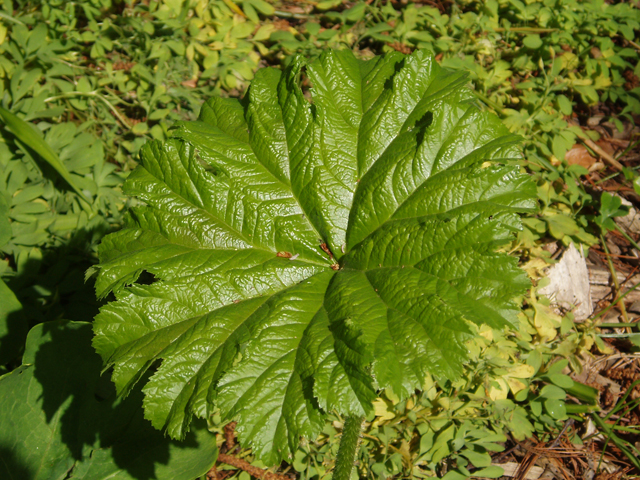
x=631, y=221
x=511, y=468
x=569, y=284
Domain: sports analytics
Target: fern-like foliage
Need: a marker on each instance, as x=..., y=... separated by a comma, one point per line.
x=309, y=252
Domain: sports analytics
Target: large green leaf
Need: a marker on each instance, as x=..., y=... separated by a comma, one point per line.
x=61, y=421
x=303, y=254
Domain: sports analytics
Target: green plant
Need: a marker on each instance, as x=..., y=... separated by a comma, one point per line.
x=125, y=70
x=541, y=66
x=66, y=421
x=305, y=254
x=50, y=230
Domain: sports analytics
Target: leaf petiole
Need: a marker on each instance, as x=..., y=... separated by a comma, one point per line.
x=348, y=447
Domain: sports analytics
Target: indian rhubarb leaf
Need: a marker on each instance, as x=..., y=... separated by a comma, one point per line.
x=302, y=251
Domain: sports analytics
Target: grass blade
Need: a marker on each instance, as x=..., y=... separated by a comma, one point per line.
x=618, y=442
x=26, y=134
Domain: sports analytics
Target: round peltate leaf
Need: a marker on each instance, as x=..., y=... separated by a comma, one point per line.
x=302, y=254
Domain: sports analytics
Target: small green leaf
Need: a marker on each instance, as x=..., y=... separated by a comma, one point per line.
x=489, y=472
x=562, y=381
x=556, y=408
x=611, y=206
x=553, y=392
x=159, y=114
x=561, y=225
x=564, y=104
x=242, y=30
x=355, y=13
x=535, y=360
x=140, y=128
x=536, y=407
x=84, y=85
x=532, y=42
x=262, y=6
x=476, y=458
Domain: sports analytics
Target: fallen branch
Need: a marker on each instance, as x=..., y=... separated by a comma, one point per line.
x=224, y=457
x=229, y=436
x=604, y=155
x=247, y=467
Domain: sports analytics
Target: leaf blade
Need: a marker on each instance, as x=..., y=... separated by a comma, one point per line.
x=307, y=253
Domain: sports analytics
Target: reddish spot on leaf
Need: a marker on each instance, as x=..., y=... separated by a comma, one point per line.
x=284, y=254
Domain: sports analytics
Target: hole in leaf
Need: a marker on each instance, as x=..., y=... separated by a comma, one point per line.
x=146, y=278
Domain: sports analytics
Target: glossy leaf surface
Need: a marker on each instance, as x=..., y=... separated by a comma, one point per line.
x=302, y=254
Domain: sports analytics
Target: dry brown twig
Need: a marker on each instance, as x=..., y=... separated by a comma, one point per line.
x=250, y=469
x=229, y=436
x=533, y=453
x=239, y=463
x=604, y=155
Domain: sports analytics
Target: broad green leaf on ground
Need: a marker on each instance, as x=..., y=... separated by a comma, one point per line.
x=61, y=421
x=302, y=254
x=13, y=325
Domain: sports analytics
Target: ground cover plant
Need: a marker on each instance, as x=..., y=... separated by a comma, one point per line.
x=100, y=79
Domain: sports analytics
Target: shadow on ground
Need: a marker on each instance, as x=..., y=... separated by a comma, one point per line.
x=59, y=415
